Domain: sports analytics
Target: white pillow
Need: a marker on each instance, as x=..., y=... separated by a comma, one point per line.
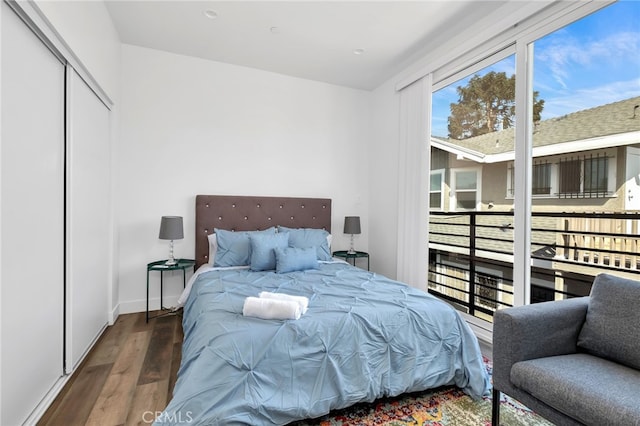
x=213, y=247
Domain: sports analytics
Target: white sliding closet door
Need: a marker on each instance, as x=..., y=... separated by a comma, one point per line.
x=88, y=218
x=32, y=219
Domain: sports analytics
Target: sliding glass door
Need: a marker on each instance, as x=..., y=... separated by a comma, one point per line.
x=470, y=239
x=588, y=73
x=534, y=150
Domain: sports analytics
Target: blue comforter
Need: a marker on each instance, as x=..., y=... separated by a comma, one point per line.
x=363, y=337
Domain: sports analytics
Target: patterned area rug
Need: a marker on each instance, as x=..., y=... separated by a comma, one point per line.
x=448, y=406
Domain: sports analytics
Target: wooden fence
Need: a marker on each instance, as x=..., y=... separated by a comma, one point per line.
x=600, y=241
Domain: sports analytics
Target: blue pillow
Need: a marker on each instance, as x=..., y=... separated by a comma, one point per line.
x=263, y=258
x=309, y=237
x=234, y=248
x=291, y=259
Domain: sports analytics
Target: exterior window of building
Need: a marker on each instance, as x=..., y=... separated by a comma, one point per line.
x=541, y=179
x=595, y=175
x=511, y=180
x=466, y=189
x=570, y=171
x=487, y=293
x=436, y=190
x=585, y=177
x=590, y=175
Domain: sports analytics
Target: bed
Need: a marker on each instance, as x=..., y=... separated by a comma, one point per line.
x=363, y=337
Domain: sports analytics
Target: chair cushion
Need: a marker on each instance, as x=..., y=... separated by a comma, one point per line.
x=611, y=328
x=592, y=390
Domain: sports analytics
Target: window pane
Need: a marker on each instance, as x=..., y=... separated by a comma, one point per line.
x=435, y=195
x=570, y=176
x=466, y=200
x=466, y=180
x=511, y=180
x=586, y=86
x=475, y=114
x=435, y=201
x=588, y=76
x=436, y=182
x=541, y=179
x=486, y=290
x=595, y=174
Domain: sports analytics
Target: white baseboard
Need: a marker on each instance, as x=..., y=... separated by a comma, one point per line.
x=113, y=315
x=48, y=399
x=121, y=308
x=140, y=305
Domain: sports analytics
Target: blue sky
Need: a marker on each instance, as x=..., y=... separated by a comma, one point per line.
x=594, y=61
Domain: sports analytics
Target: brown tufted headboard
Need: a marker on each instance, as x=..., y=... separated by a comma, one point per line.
x=243, y=213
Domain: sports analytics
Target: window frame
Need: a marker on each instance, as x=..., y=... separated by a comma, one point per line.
x=453, y=199
x=520, y=38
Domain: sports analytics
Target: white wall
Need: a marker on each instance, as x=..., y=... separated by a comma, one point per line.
x=383, y=178
x=191, y=126
x=87, y=28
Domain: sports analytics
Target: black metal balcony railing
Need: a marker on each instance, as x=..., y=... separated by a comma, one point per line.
x=471, y=255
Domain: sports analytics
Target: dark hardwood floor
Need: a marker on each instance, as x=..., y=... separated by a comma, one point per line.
x=126, y=378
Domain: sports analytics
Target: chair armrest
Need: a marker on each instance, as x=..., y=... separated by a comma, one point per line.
x=535, y=331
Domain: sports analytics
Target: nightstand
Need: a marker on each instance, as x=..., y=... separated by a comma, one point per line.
x=352, y=256
x=160, y=266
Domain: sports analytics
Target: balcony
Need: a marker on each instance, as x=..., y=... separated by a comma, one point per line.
x=471, y=256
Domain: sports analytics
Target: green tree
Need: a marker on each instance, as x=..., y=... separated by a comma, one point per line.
x=487, y=104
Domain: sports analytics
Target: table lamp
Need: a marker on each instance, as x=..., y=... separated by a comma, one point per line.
x=352, y=226
x=171, y=229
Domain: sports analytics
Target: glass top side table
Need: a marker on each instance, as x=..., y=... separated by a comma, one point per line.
x=160, y=266
x=344, y=254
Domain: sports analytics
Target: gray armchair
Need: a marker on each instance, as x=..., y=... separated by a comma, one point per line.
x=575, y=361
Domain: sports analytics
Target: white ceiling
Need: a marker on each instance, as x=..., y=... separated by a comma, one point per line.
x=308, y=39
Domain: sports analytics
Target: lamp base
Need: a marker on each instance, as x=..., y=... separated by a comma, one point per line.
x=171, y=261
x=351, y=249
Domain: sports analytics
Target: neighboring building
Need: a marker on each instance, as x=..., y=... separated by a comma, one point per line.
x=583, y=163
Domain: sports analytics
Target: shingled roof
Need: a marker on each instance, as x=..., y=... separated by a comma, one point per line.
x=605, y=120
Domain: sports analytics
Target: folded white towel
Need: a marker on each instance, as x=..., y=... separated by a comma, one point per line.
x=300, y=300
x=270, y=308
